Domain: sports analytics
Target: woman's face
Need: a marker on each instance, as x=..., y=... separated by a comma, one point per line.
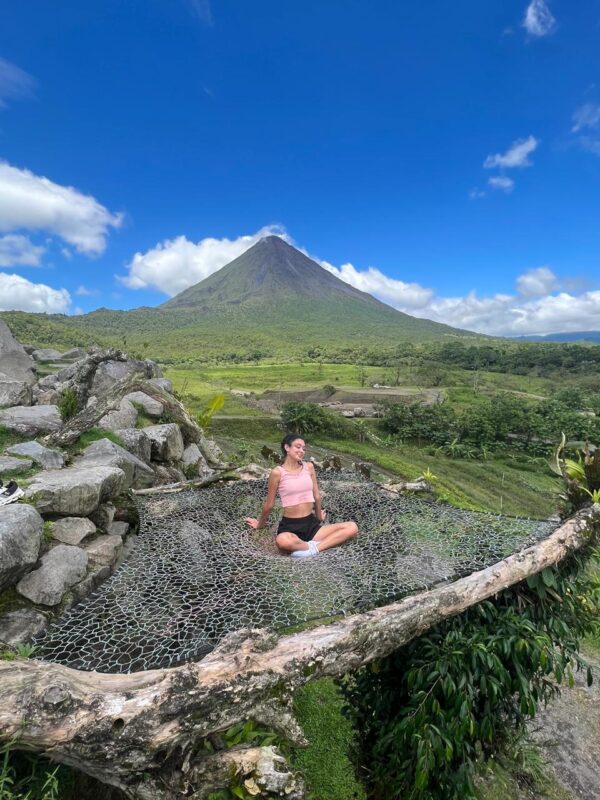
x=296, y=449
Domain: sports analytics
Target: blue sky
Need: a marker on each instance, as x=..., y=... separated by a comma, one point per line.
x=445, y=157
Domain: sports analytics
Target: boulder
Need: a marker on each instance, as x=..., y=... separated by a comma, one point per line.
x=165, y=474
x=47, y=355
x=15, y=393
x=73, y=530
x=103, y=516
x=194, y=461
x=109, y=372
x=191, y=455
x=119, y=529
x=9, y=464
x=137, y=473
x=20, y=538
x=21, y=625
x=61, y=568
x=74, y=491
x=74, y=353
x=92, y=580
x=163, y=383
x=15, y=363
x=212, y=453
x=136, y=441
x=151, y=407
x=105, y=550
x=123, y=417
x=166, y=442
x=44, y=456
x=48, y=381
x=31, y=420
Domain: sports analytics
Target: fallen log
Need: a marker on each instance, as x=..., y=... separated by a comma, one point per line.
x=89, y=417
x=143, y=732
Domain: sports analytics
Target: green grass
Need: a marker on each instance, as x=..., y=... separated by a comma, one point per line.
x=306, y=374
x=491, y=485
x=326, y=763
x=525, y=778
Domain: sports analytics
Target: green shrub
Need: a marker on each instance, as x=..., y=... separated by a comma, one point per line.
x=68, y=404
x=430, y=711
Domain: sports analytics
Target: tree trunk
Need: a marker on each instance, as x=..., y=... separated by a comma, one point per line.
x=144, y=732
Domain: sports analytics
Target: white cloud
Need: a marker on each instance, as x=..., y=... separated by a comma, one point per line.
x=19, y=294
x=536, y=308
x=17, y=250
x=372, y=281
x=586, y=116
x=516, y=155
x=508, y=315
x=537, y=282
x=14, y=83
x=36, y=203
x=502, y=182
x=538, y=20
x=176, y=264
x=476, y=194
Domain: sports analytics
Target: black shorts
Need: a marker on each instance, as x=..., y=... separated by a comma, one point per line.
x=305, y=528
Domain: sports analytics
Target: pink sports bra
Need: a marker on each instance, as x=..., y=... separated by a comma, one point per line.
x=295, y=488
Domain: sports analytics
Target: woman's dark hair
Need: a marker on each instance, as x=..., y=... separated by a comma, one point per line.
x=288, y=439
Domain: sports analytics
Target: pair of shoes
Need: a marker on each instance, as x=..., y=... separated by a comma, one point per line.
x=9, y=493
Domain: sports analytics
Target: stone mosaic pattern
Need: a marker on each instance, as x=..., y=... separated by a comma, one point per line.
x=198, y=573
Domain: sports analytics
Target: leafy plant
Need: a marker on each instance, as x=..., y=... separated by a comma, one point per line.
x=25, y=650
x=429, y=712
x=214, y=405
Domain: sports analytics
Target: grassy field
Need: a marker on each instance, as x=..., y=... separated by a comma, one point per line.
x=499, y=485
x=458, y=383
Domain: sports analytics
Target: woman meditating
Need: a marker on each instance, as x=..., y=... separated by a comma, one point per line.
x=301, y=531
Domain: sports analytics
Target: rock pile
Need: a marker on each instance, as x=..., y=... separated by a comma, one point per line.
x=75, y=520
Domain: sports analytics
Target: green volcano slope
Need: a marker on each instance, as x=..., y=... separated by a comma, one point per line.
x=272, y=301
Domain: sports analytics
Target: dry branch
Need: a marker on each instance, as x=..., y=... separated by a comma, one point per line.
x=134, y=731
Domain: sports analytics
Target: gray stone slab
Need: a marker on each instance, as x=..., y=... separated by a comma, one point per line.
x=15, y=393
x=10, y=464
x=44, y=456
x=120, y=529
x=31, y=420
x=167, y=442
x=21, y=625
x=123, y=417
x=137, y=473
x=73, y=530
x=15, y=363
x=60, y=568
x=105, y=550
x=20, y=537
x=151, y=407
x=136, y=441
x=75, y=491
x=163, y=383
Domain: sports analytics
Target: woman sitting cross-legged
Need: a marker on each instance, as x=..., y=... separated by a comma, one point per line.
x=301, y=531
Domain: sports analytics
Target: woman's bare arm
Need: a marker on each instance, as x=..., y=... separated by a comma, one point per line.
x=319, y=513
x=272, y=485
